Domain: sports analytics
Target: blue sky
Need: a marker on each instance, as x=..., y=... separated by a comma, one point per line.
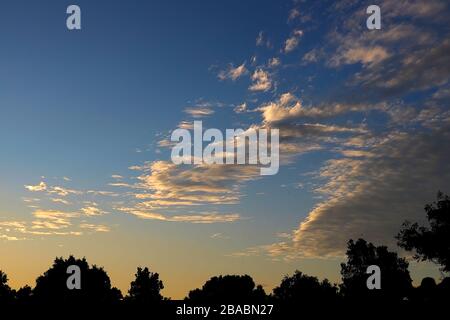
x=363, y=117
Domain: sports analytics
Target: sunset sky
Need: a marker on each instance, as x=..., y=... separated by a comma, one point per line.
x=86, y=117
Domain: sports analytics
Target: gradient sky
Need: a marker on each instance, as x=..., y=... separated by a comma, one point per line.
x=85, y=118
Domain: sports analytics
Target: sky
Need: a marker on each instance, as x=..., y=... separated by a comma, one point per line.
x=86, y=117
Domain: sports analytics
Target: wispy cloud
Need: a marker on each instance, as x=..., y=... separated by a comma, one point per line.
x=42, y=186
x=233, y=73
x=199, y=112
x=261, y=81
x=95, y=227
x=292, y=42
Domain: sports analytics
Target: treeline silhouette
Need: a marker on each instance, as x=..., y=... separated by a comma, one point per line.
x=295, y=293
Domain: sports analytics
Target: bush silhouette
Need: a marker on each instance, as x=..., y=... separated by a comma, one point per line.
x=229, y=288
x=303, y=290
x=431, y=243
x=395, y=278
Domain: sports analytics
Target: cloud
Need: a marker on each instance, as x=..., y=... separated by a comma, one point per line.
x=233, y=73
x=314, y=55
x=165, y=187
x=188, y=125
x=48, y=223
x=199, y=112
x=442, y=93
x=289, y=107
x=317, y=129
x=400, y=59
x=102, y=193
x=261, y=81
x=216, y=184
x=432, y=9
x=58, y=200
x=370, y=197
x=219, y=235
x=63, y=192
x=364, y=55
x=10, y=238
x=292, y=42
x=95, y=227
x=241, y=108
x=274, y=62
x=293, y=14
x=54, y=218
x=419, y=70
x=12, y=224
x=42, y=186
x=200, y=218
x=261, y=40
x=92, y=211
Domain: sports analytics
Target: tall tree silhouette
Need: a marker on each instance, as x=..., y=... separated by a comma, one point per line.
x=146, y=287
x=229, y=288
x=430, y=243
x=6, y=293
x=303, y=289
x=95, y=284
x=395, y=278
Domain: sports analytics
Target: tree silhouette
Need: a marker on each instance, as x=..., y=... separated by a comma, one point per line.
x=146, y=287
x=229, y=288
x=443, y=293
x=95, y=284
x=431, y=243
x=427, y=291
x=6, y=293
x=301, y=288
x=395, y=278
x=24, y=295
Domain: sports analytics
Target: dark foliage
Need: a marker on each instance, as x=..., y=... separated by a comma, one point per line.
x=6, y=293
x=230, y=288
x=396, y=281
x=146, y=287
x=304, y=289
x=95, y=284
x=430, y=243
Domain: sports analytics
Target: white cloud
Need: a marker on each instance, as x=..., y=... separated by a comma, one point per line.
x=200, y=218
x=360, y=54
x=42, y=186
x=241, y=108
x=95, y=227
x=292, y=42
x=199, y=112
x=290, y=107
x=233, y=73
x=59, y=200
x=62, y=191
x=261, y=81
x=92, y=211
x=274, y=62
